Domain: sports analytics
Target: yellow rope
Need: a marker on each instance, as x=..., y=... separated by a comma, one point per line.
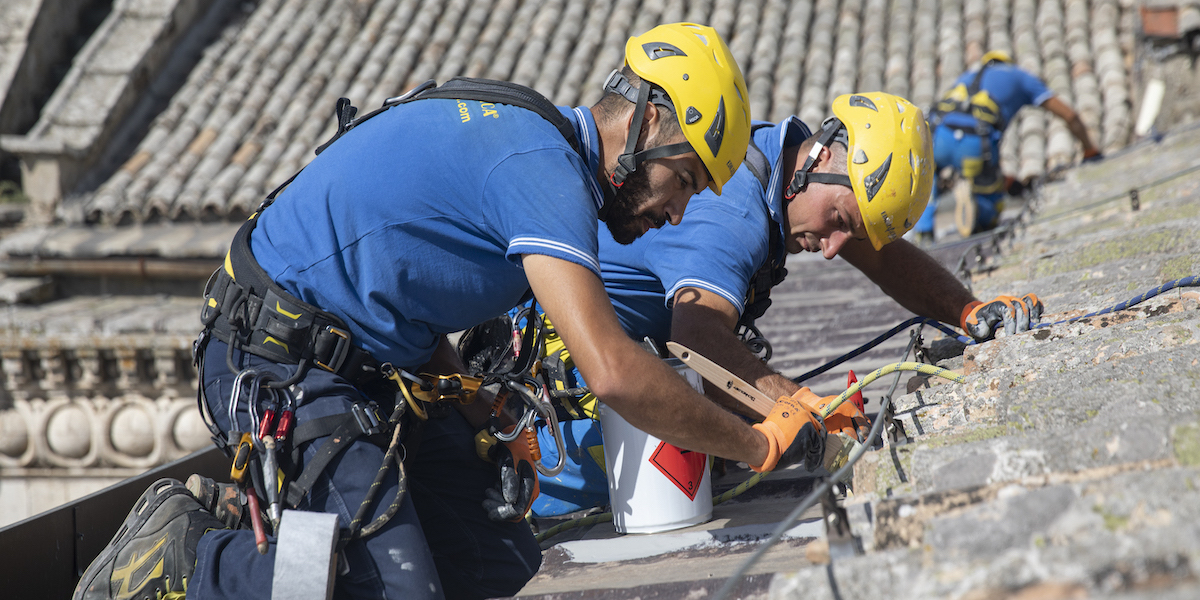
x=922, y=368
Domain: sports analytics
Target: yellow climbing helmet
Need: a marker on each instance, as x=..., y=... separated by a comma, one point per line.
x=996, y=55
x=694, y=67
x=890, y=161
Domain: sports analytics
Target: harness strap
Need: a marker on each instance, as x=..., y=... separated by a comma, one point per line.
x=342, y=430
x=245, y=308
x=772, y=271
x=970, y=100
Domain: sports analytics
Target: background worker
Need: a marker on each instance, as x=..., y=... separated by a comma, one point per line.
x=969, y=122
x=852, y=189
x=419, y=222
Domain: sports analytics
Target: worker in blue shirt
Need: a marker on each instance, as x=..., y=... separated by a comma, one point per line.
x=851, y=190
x=417, y=221
x=969, y=122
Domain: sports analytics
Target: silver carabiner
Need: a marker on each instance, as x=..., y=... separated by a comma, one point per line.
x=235, y=397
x=556, y=433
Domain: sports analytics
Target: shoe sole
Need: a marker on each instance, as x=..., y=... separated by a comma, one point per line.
x=154, y=496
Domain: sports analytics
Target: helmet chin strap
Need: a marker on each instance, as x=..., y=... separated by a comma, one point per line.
x=629, y=161
x=832, y=129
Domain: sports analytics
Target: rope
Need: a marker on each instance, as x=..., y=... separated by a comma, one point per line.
x=924, y=369
x=879, y=340
x=754, y=480
x=1190, y=281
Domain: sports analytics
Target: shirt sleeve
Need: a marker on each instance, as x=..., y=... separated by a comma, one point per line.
x=719, y=250
x=540, y=202
x=1035, y=88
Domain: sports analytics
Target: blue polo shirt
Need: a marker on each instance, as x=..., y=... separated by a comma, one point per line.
x=1011, y=87
x=718, y=246
x=414, y=223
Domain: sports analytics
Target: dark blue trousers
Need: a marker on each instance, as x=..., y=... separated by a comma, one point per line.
x=441, y=542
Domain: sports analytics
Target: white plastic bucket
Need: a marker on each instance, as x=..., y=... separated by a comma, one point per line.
x=654, y=486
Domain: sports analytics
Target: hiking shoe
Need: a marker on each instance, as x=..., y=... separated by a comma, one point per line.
x=153, y=553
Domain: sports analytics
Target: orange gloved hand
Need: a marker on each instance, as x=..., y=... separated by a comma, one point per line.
x=846, y=419
x=794, y=432
x=981, y=320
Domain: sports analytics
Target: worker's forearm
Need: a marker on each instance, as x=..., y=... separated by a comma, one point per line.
x=1079, y=130
x=661, y=403
x=720, y=344
x=915, y=280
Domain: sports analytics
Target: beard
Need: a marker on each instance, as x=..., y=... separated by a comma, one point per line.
x=624, y=216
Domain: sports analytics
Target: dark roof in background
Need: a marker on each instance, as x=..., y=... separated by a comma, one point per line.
x=261, y=96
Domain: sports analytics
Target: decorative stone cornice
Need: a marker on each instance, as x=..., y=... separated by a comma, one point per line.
x=83, y=403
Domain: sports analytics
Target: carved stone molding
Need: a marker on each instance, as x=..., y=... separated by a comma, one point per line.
x=89, y=403
x=130, y=431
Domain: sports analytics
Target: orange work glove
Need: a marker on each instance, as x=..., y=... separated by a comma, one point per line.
x=513, y=496
x=794, y=432
x=981, y=320
x=847, y=419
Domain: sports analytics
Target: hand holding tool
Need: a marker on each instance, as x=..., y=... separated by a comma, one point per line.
x=794, y=432
x=981, y=320
x=518, y=487
x=846, y=419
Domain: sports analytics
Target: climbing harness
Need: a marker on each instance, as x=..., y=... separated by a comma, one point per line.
x=247, y=310
x=969, y=99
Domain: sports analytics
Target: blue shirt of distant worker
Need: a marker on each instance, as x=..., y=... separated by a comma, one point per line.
x=969, y=122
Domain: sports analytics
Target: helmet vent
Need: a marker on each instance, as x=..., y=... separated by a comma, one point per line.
x=874, y=181
x=657, y=50
x=716, y=132
x=863, y=101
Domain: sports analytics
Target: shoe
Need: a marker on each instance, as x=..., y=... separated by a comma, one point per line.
x=153, y=554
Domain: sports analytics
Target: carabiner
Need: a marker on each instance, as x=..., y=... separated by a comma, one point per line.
x=235, y=397
x=559, y=444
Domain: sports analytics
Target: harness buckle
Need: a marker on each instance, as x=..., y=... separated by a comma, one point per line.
x=340, y=349
x=368, y=421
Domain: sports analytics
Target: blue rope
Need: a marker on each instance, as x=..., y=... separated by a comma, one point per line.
x=1190, y=281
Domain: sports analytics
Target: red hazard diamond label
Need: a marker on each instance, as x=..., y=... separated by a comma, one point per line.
x=683, y=467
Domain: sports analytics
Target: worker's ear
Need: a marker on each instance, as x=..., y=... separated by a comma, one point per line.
x=824, y=161
x=651, y=122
